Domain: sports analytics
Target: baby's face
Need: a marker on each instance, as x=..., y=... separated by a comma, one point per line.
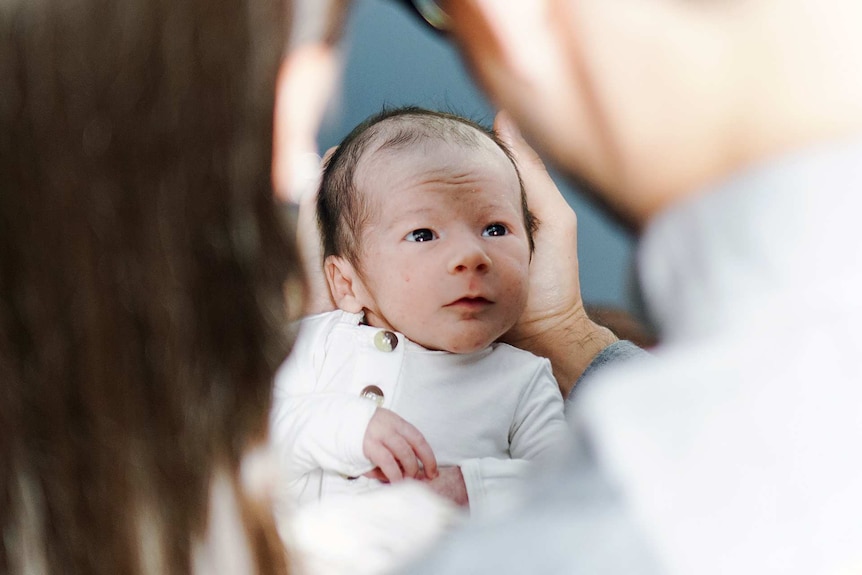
x=445, y=255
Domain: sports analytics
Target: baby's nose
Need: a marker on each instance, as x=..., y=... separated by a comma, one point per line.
x=469, y=257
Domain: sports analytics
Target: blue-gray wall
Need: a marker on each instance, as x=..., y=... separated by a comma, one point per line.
x=390, y=59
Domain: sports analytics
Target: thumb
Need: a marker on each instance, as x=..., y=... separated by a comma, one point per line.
x=545, y=200
x=509, y=132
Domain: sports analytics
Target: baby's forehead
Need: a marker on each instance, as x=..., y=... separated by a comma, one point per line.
x=400, y=135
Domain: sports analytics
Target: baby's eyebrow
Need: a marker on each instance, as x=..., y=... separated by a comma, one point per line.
x=411, y=212
x=418, y=211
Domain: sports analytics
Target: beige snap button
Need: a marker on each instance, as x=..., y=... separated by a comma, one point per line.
x=373, y=393
x=385, y=340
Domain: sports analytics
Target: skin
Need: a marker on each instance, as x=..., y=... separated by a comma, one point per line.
x=554, y=323
x=445, y=258
x=396, y=448
x=652, y=101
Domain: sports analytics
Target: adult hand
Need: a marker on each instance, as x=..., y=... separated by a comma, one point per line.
x=305, y=81
x=396, y=448
x=554, y=323
x=319, y=297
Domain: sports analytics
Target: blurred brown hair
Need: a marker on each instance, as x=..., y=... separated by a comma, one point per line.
x=142, y=266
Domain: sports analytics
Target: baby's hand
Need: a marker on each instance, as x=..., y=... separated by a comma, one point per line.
x=450, y=484
x=396, y=448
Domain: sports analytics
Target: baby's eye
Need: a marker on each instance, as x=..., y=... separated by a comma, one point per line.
x=421, y=235
x=495, y=230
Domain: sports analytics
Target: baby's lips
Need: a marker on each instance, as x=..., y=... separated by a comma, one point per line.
x=471, y=300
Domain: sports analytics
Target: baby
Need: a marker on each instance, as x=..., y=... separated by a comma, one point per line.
x=427, y=243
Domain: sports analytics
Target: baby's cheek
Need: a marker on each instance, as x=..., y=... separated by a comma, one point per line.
x=521, y=305
x=516, y=279
x=515, y=300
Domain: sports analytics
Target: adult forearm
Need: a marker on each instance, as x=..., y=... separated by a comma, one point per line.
x=571, y=342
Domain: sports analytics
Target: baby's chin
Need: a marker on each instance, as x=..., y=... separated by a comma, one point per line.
x=461, y=345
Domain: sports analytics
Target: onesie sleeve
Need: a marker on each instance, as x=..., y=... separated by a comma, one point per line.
x=538, y=433
x=322, y=431
x=539, y=429
x=313, y=428
x=493, y=485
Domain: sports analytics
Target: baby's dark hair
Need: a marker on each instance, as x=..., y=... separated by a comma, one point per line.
x=342, y=212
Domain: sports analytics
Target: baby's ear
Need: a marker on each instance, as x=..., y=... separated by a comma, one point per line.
x=344, y=284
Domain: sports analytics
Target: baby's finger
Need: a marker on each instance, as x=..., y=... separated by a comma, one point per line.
x=376, y=474
x=380, y=456
x=403, y=452
x=421, y=448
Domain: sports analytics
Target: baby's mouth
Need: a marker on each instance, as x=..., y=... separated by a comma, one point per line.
x=472, y=302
